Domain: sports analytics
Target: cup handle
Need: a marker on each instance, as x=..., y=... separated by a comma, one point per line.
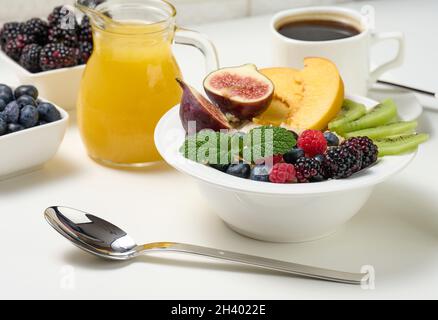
x=397, y=61
x=198, y=40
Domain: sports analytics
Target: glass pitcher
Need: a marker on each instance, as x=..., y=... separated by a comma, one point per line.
x=129, y=81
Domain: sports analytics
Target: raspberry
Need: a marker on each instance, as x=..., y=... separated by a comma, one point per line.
x=274, y=160
x=312, y=142
x=342, y=162
x=283, y=173
x=370, y=151
x=309, y=170
x=56, y=56
x=30, y=58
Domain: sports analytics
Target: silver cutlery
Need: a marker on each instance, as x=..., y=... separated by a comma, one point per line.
x=416, y=90
x=103, y=239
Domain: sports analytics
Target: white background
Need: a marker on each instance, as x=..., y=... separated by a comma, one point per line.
x=190, y=11
x=396, y=231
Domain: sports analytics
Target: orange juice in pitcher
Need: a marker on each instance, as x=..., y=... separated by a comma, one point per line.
x=129, y=81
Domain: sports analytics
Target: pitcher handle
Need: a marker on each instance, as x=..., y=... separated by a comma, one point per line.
x=198, y=40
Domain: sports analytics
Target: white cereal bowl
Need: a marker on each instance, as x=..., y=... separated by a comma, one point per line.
x=59, y=86
x=275, y=212
x=28, y=150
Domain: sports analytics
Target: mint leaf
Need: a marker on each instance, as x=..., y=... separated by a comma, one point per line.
x=267, y=141
x=209, y=147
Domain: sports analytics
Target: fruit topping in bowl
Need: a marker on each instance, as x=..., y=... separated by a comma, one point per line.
x=304, y=99
x=242, y=93
x=39, y=45
x=21, y=109
x=249, y=129
x=196, y=109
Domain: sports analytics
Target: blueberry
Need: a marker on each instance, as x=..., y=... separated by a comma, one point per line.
x=42, y=122
x=28, y=117
x=12, y=112
x=241, y=170
x=220, y=167
x=260, y=173
x=7, y=90
x=26, y=101
x=320, y=158
x=6, y=96
x=26, y=90
x=332, y=139
x=3, y=105
x=4, y=87
x=3, y=126
x=293, y=155
x=48, y=112
x=14, y=127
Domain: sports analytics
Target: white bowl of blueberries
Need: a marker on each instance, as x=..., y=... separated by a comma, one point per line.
x=31, y=130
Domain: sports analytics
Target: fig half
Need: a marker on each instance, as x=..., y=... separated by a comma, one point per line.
x=242, y=93
x=202, y=113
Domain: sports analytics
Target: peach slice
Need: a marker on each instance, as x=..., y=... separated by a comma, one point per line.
x=310, y=98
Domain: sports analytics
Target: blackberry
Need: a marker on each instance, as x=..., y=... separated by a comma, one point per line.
x=36, y=29
x=65, y=36
x=58, y=16
x=370, y=151
x=357, y=154
x=342, y=162
x=56, y=56
x=309, y=170
x=85, y=51
x=30, y=58
x=9, y=32
x=85, y=31
x=14, y=48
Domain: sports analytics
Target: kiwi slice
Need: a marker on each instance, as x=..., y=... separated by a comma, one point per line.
x=379, y=116
x=392, y=129
x=350, y=111
x=400, y=145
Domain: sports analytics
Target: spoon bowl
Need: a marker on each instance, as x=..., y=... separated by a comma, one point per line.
x=92, y=234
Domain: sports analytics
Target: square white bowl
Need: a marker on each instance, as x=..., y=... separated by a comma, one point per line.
x=28, y=150
x=59, y=86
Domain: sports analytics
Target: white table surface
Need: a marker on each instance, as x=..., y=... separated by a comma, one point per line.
x=396, y=232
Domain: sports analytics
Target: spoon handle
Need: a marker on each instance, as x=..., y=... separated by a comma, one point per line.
x=264, y=263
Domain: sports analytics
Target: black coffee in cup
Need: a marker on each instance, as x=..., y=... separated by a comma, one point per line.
x=317, y=30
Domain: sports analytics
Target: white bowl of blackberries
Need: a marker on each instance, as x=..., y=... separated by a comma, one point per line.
x=31, y=129
x=46, y=53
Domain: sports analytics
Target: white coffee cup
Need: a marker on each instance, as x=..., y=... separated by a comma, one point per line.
x=351, y=55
